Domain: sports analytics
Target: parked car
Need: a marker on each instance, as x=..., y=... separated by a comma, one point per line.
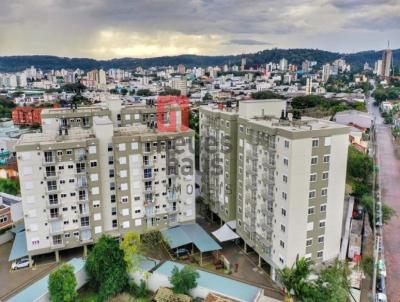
x=181, y=252
x=358, y=212
x=380, y=284
x=380, y=297
x=20, y=263
x=382, y=267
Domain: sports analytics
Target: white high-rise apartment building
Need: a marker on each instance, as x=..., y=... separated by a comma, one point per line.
x=100, y=170
x=283, y=64
x=282, y=180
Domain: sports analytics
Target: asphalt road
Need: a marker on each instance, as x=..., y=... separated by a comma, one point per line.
x=389, y=169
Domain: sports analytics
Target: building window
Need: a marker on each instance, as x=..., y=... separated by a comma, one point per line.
x=85, y=221
x=284, y=195
x=50, y=171
x=282, y=244
x=322, y=224
x=48, y=156
x=309, y=242
x=115, y=223
x=3, y=219
x=321, y=239
x=283, y=228
x=324, y=192
x=320, y=254
x=311, y=194
x=325, y=175
x=93, y=163
x=286, y=161
x=57, y=239
x=51, y=185
x=322, y=208
x=315, y=142
x=311, y=210
x=286, y=144
x=313, y=177
x=281, y=260
x=314, y=160
x=283, y=212
x=112, y=198
x=111, y=173
x=113, y=211
x=326, y=158
x=284, y=178
x=111, y=160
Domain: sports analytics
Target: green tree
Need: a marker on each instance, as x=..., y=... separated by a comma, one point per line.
x=266, y=94
x=387, y=213
x=62, y=284
x=106, y=268
x=295, y=279
x=333, y=283
x=170, y=91
x=130, y=245
x=367, y=265
x=9, y=186
x=183, y=280
x=359, y=165
x=144, y=92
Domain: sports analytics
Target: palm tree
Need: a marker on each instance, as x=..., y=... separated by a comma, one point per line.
x=294, y=279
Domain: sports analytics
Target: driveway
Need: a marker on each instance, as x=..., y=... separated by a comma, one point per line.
x=13, y=281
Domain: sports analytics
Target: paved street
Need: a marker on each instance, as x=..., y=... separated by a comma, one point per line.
x=389, y=167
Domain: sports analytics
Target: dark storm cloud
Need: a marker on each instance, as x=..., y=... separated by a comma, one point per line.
x=106, y=28
x=248, y=42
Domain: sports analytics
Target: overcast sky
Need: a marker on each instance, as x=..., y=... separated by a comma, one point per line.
x=106, y=29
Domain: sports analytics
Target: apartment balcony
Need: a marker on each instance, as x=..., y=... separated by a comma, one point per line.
x=266, y=227
x=54, y=217
x=49, y=175
x=172, y=196
x=250, y=227
x=52, y=190
x=80, y=158
x=53, y=204
x=49, y=161
x=56, y=246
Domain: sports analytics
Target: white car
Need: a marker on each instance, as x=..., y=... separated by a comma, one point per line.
x=20, y=263
x=381, y=297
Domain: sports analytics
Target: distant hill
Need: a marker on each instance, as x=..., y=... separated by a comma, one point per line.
x=294, y=56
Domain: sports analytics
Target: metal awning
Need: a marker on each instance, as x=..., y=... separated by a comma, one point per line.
x=225, y=233
x=19, y=248
x=190, y=233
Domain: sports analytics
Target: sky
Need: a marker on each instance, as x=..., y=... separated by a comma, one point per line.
x=104, y=29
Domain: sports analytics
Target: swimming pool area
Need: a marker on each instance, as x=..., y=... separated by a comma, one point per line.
x=217, y=284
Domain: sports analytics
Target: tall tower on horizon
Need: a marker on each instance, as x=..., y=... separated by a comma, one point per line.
x=387, y=61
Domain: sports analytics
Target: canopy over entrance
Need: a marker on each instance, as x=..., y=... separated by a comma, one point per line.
x=225, y=233
x=19, y=248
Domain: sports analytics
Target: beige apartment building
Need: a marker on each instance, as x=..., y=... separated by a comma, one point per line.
x=95, y=171
x=282, y=180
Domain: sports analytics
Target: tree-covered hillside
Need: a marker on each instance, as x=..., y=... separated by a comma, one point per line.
x=294, y=56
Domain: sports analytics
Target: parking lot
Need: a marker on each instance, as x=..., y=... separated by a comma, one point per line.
x=12, y=281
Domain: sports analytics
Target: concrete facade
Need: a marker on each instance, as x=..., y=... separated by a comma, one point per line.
x=88, y=175
x=288, y=178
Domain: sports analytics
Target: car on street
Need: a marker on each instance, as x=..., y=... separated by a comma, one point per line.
x=380, y=297
x=380, y=284
x=20, y=263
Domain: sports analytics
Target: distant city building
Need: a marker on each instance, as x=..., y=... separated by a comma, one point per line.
x=243, y=64
x=283, y=64
x=96, y=78
x=181, y=69
x=180, y=83
x=378, y=68
x=386, y=62
x=306, y=66
x=326, y=72
x=308, y=86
